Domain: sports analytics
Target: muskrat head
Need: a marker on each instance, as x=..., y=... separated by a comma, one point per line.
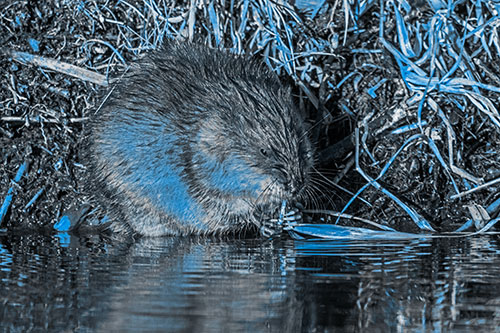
x=256, y=146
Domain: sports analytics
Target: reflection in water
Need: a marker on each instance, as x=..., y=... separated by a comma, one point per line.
x=183, y=284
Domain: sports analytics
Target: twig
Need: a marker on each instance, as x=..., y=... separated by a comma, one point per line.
x=58, y=66
x=349, y=217
x=477, y=188
x=40, y=120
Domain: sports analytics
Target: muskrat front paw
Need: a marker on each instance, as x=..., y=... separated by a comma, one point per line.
x=274, y=227
x=270, y=228
x=292, y=216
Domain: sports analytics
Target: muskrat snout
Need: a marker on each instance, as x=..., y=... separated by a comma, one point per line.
x=292, y=186
x=280, y=174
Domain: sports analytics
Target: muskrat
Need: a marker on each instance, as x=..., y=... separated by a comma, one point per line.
x=195, y=140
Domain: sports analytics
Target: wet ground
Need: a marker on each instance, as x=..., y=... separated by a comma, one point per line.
x=210, y=285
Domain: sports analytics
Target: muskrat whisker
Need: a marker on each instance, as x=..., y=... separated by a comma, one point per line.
x=324, y=172
x=314, y=201
x=321, y=184
x=316, y=188
x=324, y=189
x=330, y=182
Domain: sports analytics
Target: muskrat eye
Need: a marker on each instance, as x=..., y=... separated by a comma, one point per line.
x=263, y=152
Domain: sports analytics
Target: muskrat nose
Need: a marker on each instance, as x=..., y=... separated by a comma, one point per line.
x=289, y=182
x=291, y=188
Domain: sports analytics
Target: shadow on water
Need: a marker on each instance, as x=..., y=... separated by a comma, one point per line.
x=184, y=284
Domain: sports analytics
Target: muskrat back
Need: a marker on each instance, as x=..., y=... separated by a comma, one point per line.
x=195, y=140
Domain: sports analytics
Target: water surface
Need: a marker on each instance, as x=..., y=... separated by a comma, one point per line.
x=213, y=285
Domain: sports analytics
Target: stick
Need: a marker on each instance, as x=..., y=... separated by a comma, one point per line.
x=58, y=66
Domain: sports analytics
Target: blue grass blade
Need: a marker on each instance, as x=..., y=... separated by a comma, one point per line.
x=359, y=9
x=367, y=51
x=292, y=12
x=372, y=90
x=440, y=158
x=480, y=21
x=317, y=8
x=347, y=10
x=453, y=54
x=254, y=39
x=437, y=4
x=63, y=224
x=115, y=51
x=214, y=20
x=404, y=39
x=366, y=150
x=346, y=109
x=406, y=6
x=64, y=239
x=424, y=58
x=494, y=40
x=10, y=195
x=184, y=23
x=244, y=19
x=448, y=85
x=382, y=19
x=351, y=200
x=310, y=7
x=494, y=206
x=289, y=35
x=469, y=72
x=393, y=157
x=488, y=226
x=417, y=218
x=418, y=37
x=34, y=44
x=461, y=82
x=58, y=164
x=356, y=81
x=20, y=172
x=35, y=197
x=345, y=79
x=336, y=232
x=235, y=39
x=403, y=59
x=485, y=106
x=191, y=20
x=410, y=127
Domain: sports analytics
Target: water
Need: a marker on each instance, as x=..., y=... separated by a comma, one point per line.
x=213, y=285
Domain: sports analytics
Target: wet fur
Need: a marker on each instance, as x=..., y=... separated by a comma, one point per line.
x=194, y=140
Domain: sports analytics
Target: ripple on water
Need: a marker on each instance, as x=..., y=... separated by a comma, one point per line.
x=182, y=284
